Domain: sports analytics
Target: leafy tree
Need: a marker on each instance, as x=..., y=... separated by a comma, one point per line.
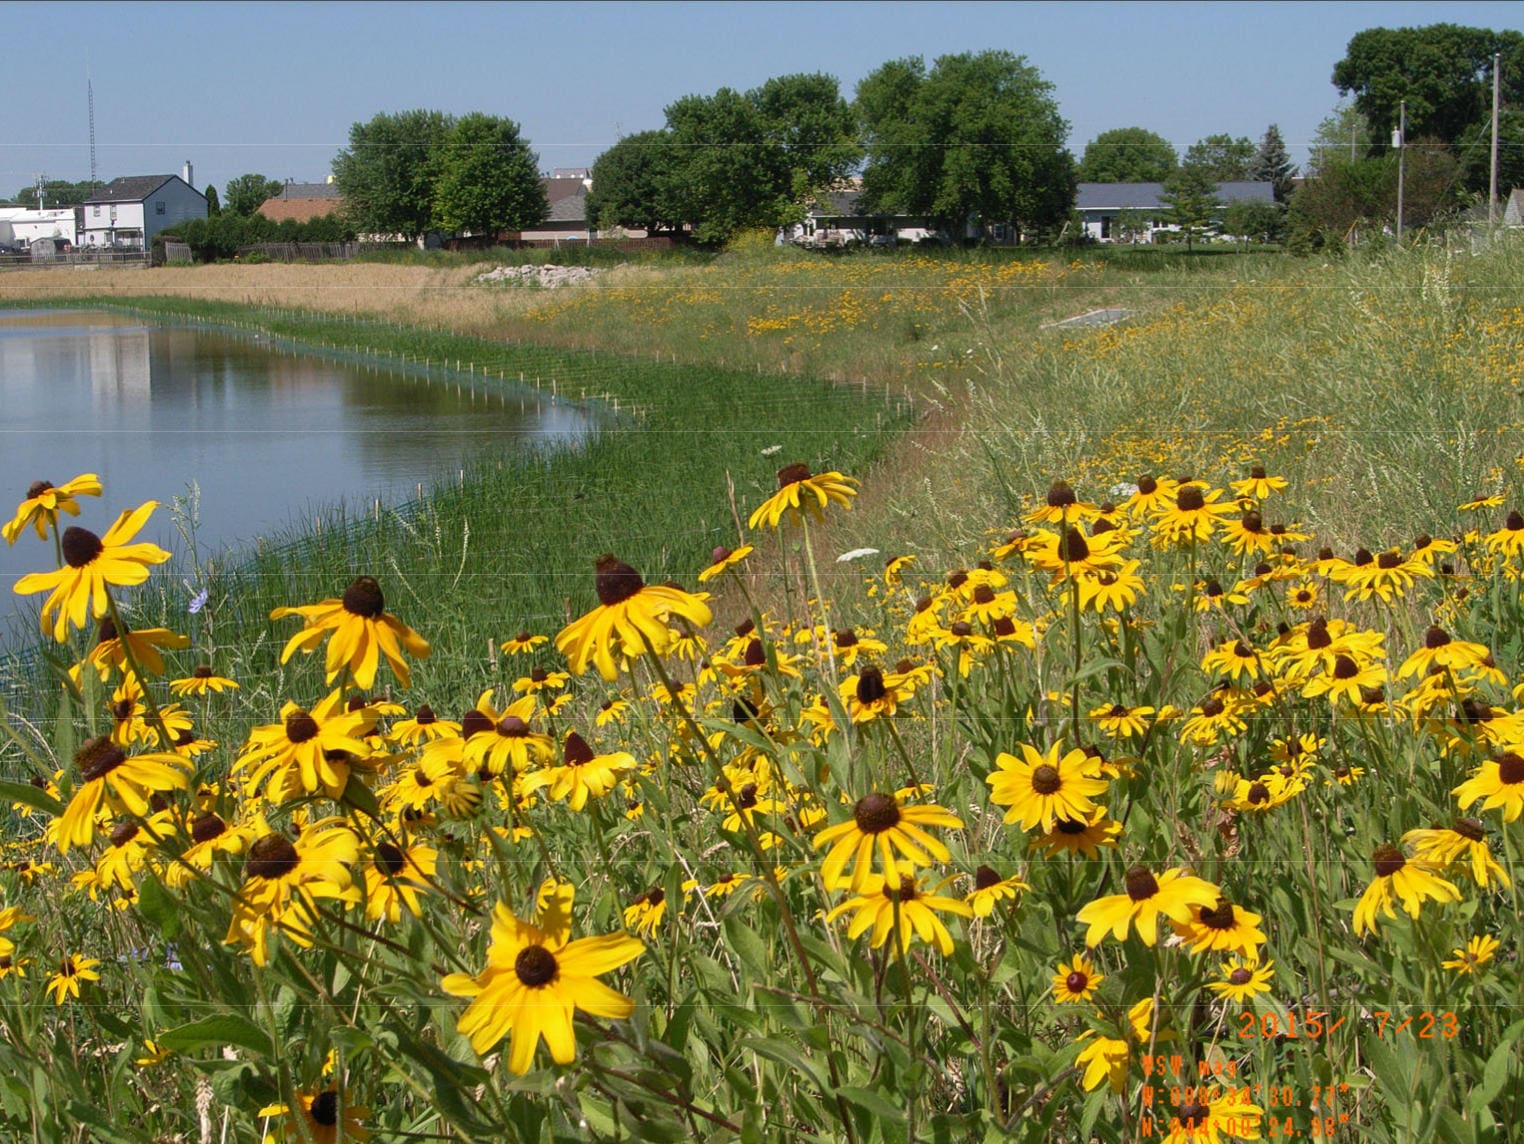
x=488, y=178
x=56, y=193
x=812, y=126
x=730, y=177
x=1273, y=165
x=1127, y=155
x=632, y=183
x=213, y=205
x=1344, y=136
x=976, y=140
x=1227, y=159
x=1255, y=221
x=1474, y=153
x=1443, y=71
x=1190, y=196
x=388, y=171
x=244, y=194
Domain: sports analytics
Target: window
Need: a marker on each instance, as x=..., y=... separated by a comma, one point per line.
x=97, y=212
x=158, y=207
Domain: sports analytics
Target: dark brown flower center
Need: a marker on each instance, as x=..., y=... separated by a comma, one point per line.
x=1141, y=884
x=325, y=1108
x=576, y=752
x=99, y=757
x=122, y=709
x=1388, y=559
x=876, y=813
x=1219, y=917
x=870, y=686
x=1435, y=637
x=1060, y=495
x=985, y=877
x=123, y=833
x=1362, y=557
x=81, y=546
x=756, y=654
x=1317, y=635
x=746, y=797
x=1190, y=499
x=474, y=722
x=793, y=474
x=1071, y=826
x=957, y=578
x=962, y=629
x=845, y=638
x=1388, y=861
x=1192, y=1115
x=1004, y=627
x=300, y=726
x=1240, y=976
x=1252, y=522
x=616, y=581
x=1469, y=828
x=389, y=859
x=1258, y=793
x=425, y=716
x=37, y=488
x=272, y=856
x=363, y=598
x=1046, y=780
x=1212, y=708
x=719, y=555
x=106, y=632
x=1147, y=485
x=202, y=671
x=1345, y=668
x=1257, y=472
x=1075, y=550
x=207, y=827
x=1510, y=769
x=1515, y=522
x=512, y=727
x=1077, y=982
x=1243, y=650
x=984, y=594
x=535, y=966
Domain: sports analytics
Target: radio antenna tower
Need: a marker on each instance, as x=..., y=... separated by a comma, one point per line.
x=90, y=100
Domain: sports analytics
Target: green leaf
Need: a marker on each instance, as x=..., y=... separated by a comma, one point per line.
x=361, y=797
x=885, y=1110
x=113, y=1127
x=159, y=908
x=1495, y=1074
x=31, y=796
x=748, y=946
x=785, y=1054
x=213, y=1032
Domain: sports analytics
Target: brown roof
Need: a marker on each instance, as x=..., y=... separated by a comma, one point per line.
x=300, y=210
x=558, y=189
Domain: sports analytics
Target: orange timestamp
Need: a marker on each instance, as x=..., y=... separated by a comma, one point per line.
x=1250, y=1111
x=1312, y=1025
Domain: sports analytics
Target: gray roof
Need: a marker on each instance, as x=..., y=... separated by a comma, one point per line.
x=1149, y=196
x=130, y=189
x=572, y=208
x=309, y=191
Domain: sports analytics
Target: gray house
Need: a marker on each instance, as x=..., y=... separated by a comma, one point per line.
x=1135, y=212
x=126, y=213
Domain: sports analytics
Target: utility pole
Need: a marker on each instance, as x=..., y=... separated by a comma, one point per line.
x=1492, y=185
x=1399, y=141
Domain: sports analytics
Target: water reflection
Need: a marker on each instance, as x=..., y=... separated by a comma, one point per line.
x=268, y=436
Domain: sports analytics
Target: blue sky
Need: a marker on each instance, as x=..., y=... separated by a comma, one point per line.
x=274, y=88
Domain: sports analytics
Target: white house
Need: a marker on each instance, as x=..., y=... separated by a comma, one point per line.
x=126, y=213
x=1123, y=212
x=23, y=226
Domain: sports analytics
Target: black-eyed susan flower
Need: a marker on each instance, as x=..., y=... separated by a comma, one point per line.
x=1497, y=783
x=1172, y=894
x=283, y=881
x=1207, y=1114
x=154, y=1054
x=1406, y=880
x=1061, y=506
x=212, y=837
x=1076, y=981
x=990, y=888
x=1221, y=928
x=1234, y=658
x=541, y=680
x=1345, y=680
x=1041, y=787
x=1441, y=650
x=44, y=501
x=1248, y=535
x=1464, y=845
x=523, y=643
x=112, y=649
x=905, y=910
x=395, y=876
x=632, y=617
x=71, y=971
x=308, y=751
x=110, y=779
x=581, y=774
x=362, y=633
x=1477, y=952
x=1122, y=722
x=644, y=913
x=507, y=742
x=1193, y=517
x=79, y=590
x=1149, y=495
x=534, y=980
x=799, y=489
x=1113, y=589
x=881, y=826
x=1244, y=977
x=1216, y=717
x=1481, y=501
x=1386, y=577
x=1080, y=835
x=723, y=559
x=1257, y=485
x=202, y=681
x=322, y=1117
x=1108, y=1058
x=425, y=726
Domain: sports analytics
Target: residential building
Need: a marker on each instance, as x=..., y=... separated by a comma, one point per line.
x=1136, y=212
x=303, y=202
x=126, y=213
x=21, y=226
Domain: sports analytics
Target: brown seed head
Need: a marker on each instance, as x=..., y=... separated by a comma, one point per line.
x=535, y=966
x=870, y=686
x=389, y=859
x=985, y=877
x=1141, y=884
x=576, y=752
x=300, y=726
x=1147, y=485
x=1060, y=495
x=325, y=1108
x=363, y=598
x=793, y=474
x=207, y=827
x=37, y=488
x=616, y=581
x=1046, y=779
x=1190, y=499
x=876, y=813
x=80, y=546
x=1220, y=916
x=98, y=757
x=1470, y=828
x=272, y=856
x=1510, y=768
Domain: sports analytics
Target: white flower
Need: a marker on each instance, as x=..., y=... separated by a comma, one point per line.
x=856, y=554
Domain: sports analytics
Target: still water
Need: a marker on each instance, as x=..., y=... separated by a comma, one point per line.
x=269, y=439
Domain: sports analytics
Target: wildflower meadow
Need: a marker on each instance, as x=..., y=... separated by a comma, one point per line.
x=1161, y=803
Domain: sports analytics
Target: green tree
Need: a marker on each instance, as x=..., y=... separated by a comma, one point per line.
x=388, y=171
x=812, y=126
x=56, y=193
x=1474, y=152
x=977, y=140
x=632, y=183
x=244, y=194
x=1344, y=136
x=1190, y=196
x=1443, y=71
x=1273, y=165
x=1255, y=221
x=1127, y=155
x=213, y=206
x=488, y=179
x=1228, y=160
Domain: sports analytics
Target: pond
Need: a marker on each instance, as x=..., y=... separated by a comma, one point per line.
x=268, y=438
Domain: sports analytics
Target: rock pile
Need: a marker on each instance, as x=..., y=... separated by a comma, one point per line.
x=546, y=277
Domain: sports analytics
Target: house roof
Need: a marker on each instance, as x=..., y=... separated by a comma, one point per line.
x=308, y=191
x=300, y=210
x=131, y=189
x=1149, y=196
x=558, y=189
x=570, y=208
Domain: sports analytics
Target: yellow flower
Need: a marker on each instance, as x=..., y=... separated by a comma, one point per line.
x=44, y=501
x=92, y=564
x=645, y=913
x=1464, y=844
x=1042, y=788
x=1499, y=782
x=990, y=888
x=1221, y=928
x=904, y=910
x=117, y=782
x=631, y=618
x=324, y=1117
x=71, y=971
x=1257, y=484
x=722, y=559
x=1477, y=953
x=1076, y=981
x=1406, y=879
x=395, y=877
x=533, y=982
x=1243, y=977
x=307, y=751
x=880, y=825
x=1173, y=894
x=581, y=774
x=110, y=651
x=798, y=488
x=201, y=681
x=362, y=633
